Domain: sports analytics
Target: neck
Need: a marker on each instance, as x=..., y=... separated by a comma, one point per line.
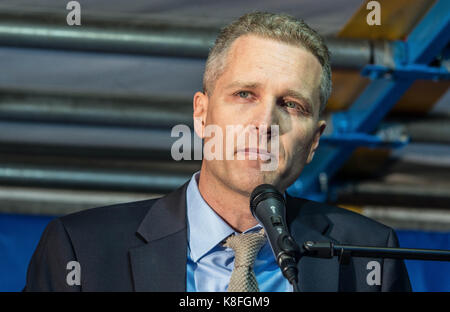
x=231, y=206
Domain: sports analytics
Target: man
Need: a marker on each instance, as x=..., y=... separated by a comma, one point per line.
x=264, y=69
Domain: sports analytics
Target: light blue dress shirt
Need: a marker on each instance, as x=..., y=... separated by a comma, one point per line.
x=209, y=264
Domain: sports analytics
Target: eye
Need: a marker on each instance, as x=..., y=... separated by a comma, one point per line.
x=290, y=104
x=294, y=107
x=243, y=94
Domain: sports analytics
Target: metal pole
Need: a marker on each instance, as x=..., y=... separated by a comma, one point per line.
x=139, y=35
x=94, y=179
x=99, y=109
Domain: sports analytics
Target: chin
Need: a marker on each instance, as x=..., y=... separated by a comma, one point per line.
x=247, y=177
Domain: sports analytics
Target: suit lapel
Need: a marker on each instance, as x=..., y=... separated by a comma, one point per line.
x=160, y=264
x=306, y=223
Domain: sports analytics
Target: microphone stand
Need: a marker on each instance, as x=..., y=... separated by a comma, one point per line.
x=288, y=258
x=345, y=252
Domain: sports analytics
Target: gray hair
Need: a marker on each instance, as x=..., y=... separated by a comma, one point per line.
x=280, y=27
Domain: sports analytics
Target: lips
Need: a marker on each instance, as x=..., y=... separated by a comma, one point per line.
x=262, y=154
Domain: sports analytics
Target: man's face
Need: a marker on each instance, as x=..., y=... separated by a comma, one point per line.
x=265, y=82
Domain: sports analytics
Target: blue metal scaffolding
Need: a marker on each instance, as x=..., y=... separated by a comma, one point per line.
x=354, y=127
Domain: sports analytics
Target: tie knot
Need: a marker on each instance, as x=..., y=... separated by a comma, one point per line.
x=246, y=247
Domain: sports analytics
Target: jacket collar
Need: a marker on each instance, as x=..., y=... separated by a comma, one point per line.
x=160, y=264
x=166, y=217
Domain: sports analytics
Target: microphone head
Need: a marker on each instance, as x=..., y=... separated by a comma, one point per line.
x=262, y=192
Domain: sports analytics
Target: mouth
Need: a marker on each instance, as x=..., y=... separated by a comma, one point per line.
x=256, y=153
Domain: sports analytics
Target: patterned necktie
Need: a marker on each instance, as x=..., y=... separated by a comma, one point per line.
x=246, y=247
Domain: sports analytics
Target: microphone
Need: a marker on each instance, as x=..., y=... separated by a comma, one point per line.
x=268, y=206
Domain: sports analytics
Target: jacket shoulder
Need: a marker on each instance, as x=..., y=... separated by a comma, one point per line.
x=353, y=228
x=111, y=227
x=352, y=219
x=107, y=216
x=347, y=226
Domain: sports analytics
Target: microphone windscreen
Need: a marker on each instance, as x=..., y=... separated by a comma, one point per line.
x=262, y=192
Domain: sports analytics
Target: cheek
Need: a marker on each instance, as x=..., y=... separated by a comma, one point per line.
x=296, y=144
x=220, y=114
x=295, y=149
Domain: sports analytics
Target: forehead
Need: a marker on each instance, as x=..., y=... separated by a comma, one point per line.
x=272, y=63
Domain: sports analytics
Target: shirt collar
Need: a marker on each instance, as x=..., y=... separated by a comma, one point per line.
x=206, y=229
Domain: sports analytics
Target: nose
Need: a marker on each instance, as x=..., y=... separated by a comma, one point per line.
x=265, y=116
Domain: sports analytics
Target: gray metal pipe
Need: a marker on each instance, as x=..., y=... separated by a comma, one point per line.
x=430, y=129
x=93, y=140
x=427, y=219
x=126, y=180
x=100, y=109
x=104, y=34
x=392, y=194
x=136, y=35
x=83, y=136
x=346, y=53
x=56, y=202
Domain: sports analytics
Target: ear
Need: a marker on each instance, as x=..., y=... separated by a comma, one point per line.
x=200, y=103
x=321, y=125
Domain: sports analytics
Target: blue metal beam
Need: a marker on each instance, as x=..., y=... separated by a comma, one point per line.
x=426, y=41
x=416, y=71
x=431, y=35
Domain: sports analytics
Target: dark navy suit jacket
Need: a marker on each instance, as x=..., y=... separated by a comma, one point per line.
x=142, y=246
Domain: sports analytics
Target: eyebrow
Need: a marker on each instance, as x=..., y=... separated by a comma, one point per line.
x=241, y=84
x=290, y=92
